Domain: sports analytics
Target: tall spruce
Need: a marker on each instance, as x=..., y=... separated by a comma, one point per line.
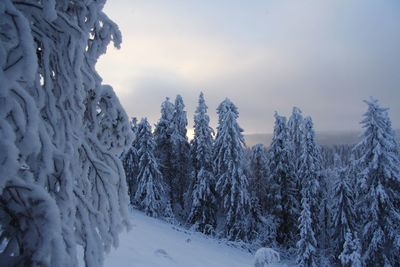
x=163, y=144
x=380, y=189
x=282, y=183
x=295, y=135
x=180, y=154
x=202, y=215
x=151, y=196
x=310, y=166
x=309, y=174
x=232, y=183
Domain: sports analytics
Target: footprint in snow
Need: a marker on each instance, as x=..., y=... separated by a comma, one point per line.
x=161, y=252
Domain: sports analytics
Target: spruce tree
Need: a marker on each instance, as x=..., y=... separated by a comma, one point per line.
x=307, y=245
x=281, y=182
x=232, y=183
x=151, y=196
x=310, y=168
x=380, y=189
x=203, y=201
x=180, y=154
x=163, y=144
x=310, y=171
x=295, y=135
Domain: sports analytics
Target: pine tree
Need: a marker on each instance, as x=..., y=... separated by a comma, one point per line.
x=151, y=196
x=180, y=154
x=232, y=183
x=282, y=183
x=130, y=161
x=344, y=219
x=62, y=183
x=350, y=256
x=163, y=144
x=307, y=245
x=380, y=189
x=203, y=205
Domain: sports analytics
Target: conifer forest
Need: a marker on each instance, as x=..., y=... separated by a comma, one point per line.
x=84, y=181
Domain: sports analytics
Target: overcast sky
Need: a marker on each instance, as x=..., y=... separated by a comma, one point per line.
x=322, y=56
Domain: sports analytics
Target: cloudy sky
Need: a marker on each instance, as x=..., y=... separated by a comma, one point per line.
x=322, y=56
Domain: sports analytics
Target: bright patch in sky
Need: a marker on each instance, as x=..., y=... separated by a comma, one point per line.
x=323, y=56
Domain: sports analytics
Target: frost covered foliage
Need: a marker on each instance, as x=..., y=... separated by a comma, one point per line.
x=379, y=199
x=130, y=161
x=62, y=132
x=232, y=183
x=295, y=134
x=350, y=256
x=282, y=183
x=180, y=153
x=307, y=245
x=344, y=215
x=203, y=207
x=258, y=176
x=265, y=257
x=310, y=170
x=163, y=143
x=309, y=175
x=150, y=196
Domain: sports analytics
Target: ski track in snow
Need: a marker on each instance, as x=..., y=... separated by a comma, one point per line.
x=155, y=243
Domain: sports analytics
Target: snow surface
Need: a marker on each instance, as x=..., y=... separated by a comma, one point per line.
x=155, y=243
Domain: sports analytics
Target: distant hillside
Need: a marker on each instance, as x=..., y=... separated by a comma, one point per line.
x=323, y=138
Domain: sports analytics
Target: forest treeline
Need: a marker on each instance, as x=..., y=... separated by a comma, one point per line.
x=326, y=205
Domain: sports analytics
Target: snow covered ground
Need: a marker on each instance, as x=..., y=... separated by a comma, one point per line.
x=154, y=243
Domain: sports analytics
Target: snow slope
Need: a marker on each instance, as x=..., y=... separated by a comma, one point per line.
x=154, y=243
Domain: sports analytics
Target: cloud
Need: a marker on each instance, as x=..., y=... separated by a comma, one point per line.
x=323, y=56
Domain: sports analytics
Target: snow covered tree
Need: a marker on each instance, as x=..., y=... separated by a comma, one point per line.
x=61, y=135
x=260, y=204
x=295, y=135
x=163, y=143
x=309, y=175
x=258, y=176
x=282, y=183
x=351, y=254
x=310, y=170
x=307, y=245
x=130, y=161
x=380, y=189
x=203, y=202
x=151, y=196
x=232, y=183
x=344, y=216
x=180, y=154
